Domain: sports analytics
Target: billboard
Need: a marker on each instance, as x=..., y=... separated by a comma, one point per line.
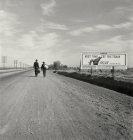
x=103, y=60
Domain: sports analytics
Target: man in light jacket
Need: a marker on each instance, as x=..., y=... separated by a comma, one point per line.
x=43, y=68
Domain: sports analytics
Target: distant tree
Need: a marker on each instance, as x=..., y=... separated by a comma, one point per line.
x=50, y=67
x=56, y=65
x=65, y=66
x=61, y=67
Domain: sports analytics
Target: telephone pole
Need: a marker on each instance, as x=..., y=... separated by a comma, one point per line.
x=4, y=60
x=20, y=64
x=16, y=63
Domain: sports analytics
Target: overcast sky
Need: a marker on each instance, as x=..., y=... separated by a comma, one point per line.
x=51, y=30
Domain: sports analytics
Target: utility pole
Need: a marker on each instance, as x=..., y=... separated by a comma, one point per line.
x=20, y=64
x=16, y=64
x=4, y=60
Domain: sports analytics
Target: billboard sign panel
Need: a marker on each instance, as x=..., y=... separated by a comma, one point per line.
x=103, y=60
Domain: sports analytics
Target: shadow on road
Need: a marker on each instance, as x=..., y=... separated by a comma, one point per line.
x=36, y=77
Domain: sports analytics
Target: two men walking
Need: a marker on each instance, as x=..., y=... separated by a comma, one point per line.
x=36, y=67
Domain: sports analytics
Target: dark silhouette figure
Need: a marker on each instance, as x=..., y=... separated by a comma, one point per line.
x=95, y=61
x=36, y=67
x=43, y=68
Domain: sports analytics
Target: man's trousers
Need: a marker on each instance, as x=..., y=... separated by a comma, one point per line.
x=44, y=73
x=36, y=71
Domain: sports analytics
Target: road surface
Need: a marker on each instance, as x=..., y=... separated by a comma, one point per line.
x=11, y=70
x=61, y=108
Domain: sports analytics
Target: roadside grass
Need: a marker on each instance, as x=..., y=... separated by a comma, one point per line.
x=106, y=82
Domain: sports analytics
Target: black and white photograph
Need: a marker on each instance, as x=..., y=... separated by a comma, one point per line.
x=66, y=69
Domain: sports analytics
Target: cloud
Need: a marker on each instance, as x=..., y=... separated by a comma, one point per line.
x=11, y=3
x=26, y=41
x=48, y=8
x=89, y=29
x=101, y=27
x=122, y=11
x=78, y=20
x=131, y=18
x=115, y=44
x=48, y=41
x=50, y=25
x=66, y=41
x=41, y=29
x=124, y=25
x=55, y=26
x=81, y=31
x=9, y=23
x=37, y=43
x=9, y=28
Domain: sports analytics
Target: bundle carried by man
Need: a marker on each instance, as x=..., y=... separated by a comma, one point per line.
x=46, y=66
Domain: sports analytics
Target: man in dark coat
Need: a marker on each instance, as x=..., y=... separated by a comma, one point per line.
x=36, y=67
x=43, y=68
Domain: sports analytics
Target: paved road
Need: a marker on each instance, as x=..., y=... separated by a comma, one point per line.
x=61, y=108
x=10, y=70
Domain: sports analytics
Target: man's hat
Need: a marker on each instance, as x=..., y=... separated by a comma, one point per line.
x=36, y=60
x=43, y=62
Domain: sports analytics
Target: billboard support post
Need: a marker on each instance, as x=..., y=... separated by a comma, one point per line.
x=112, y=71
x=80, y=67
x=91, y=70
